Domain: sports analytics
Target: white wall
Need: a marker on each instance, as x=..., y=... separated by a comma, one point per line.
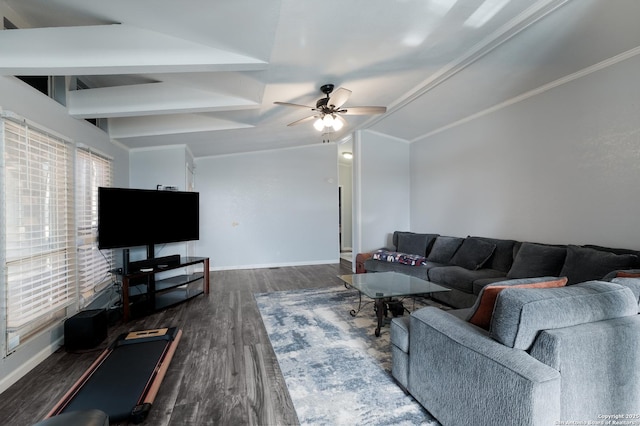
x=559, y=167
x=166, y=166
x=19, y=98
x=272, y=208
x=381, y=189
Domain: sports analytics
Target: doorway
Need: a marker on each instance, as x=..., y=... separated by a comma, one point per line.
x=345, y=200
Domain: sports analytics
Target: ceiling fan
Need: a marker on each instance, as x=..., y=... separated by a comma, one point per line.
x=329, y=110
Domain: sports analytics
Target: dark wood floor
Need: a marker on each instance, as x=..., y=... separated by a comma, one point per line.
x=224, y=371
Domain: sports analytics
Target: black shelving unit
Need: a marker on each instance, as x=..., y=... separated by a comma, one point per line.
x=143, y=293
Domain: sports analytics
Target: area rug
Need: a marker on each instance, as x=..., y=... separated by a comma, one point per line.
x=336, y=370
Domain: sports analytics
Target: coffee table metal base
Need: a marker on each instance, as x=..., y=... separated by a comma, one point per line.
x=380, y=308
x=382, y=287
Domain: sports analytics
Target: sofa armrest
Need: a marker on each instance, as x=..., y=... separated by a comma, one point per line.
x=360, y=259
x=462, y=376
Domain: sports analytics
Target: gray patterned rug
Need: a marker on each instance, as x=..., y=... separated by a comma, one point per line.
x=336, y=370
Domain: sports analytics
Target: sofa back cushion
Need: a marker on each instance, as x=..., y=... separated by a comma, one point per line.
x=412, y=243
x=520, y=314
x=585, y=264
x=537, y=260
x=502, y=257
x=617, y=251
x=482, y=311
x=473, y=253
x=443, y=249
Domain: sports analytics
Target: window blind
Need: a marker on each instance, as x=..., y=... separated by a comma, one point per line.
x=92, y=171
x=39, y=228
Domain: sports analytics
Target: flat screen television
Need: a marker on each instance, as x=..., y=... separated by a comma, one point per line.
x=141, y=217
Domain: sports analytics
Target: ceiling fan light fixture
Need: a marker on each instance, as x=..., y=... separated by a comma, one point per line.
x=337, y=124
x=327, y=114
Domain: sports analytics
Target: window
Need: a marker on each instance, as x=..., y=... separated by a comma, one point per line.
x=92, y=171
x=38, y=225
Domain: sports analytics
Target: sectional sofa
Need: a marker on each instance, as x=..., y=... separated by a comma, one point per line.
x=466, y=265
x=548, y=354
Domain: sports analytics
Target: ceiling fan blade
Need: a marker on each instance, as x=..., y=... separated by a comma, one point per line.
x=339, y=97
x=367, y=110
x=303, y=120
x=293, y=105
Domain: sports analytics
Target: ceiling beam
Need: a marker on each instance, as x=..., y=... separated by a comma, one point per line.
x=150, y=99
x=122, y=128
x=111, y=49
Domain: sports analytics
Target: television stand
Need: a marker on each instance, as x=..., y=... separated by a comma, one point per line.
x=142, y=292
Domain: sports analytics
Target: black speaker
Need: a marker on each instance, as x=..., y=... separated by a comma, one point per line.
x=85, y=330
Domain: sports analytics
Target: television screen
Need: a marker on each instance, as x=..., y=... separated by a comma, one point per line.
x=141, y=217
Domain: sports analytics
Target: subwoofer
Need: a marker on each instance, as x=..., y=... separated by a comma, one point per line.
x=85, y=330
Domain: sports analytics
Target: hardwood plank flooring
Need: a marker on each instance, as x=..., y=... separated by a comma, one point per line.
x=224, y=371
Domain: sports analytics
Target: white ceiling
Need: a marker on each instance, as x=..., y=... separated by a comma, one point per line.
x=205, y=73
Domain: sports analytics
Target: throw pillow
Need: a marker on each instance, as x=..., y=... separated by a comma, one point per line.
x=585, y=264
x=412, y=243
x=627, y=274
x=502, y=257
x=443, y=249
x=473, y=253
x=537, y=260
x=482, y=310
x=385, y=255
x=397, y=257
x=411, y=259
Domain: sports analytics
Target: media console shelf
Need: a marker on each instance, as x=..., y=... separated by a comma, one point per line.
x=141, y=289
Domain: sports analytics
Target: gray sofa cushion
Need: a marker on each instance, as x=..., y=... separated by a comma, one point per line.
x=537, y=260
x=632, y=283
x=372, y=265
x=503, y=254
x=520, y=314
x=481, y=311
x=616, y=251
x=463, y=377
x=400, y=333
x=459, y=278
x=473, y=253
x=584, y=264
x=412, y=243
x=599, y=366
x=444, y=248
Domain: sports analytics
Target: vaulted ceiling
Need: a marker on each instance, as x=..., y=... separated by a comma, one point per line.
x=206, y=73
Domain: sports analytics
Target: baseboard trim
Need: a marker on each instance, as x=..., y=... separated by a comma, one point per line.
x=29, y=365
x=275, y=265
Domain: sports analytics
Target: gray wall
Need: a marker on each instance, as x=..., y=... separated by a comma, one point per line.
x=559, y=167
x=272, y=208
